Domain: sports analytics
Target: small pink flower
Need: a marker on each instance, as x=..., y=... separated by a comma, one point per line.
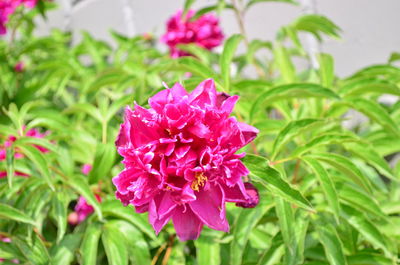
x=86, y=168
x=82, y=210
x=19, y=67
x=180, y=159
x=204, y=31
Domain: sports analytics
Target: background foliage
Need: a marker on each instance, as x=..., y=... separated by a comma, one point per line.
x=328, y=193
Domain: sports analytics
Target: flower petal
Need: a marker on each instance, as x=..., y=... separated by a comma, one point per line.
x=187, y=225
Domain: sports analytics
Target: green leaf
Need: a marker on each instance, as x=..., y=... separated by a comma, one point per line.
x=291, y=91
x=365, y=228
x=195, y=66
x=326, y=69
x=10, y=163
x=8, y=212
x=33, y=249
x=376, y=113
x=64, y=252
x=245, y=222
x=90, y=244
x=369, y=155
x=60, y=214
x=114, y=245
x=273, y=255
x=138, y=247
x=115, y=208
x=207, y=250
x=368, y=259
x=79, y=184
x=103, y=161
x=317, y=24
x=226, y=58
x=272, y=180
x=86, y=108
x=38, y=159
x=321, y=140
x=333, y=246
x=360, y=199
x=344, y=165
x=362, y=86
x=252, y=2
x=326, y=183
x=284, y=63
x=291, y=130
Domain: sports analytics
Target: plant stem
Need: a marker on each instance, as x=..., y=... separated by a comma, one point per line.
x=239, y=13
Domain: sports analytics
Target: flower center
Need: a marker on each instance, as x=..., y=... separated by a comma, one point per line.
x=199, y=182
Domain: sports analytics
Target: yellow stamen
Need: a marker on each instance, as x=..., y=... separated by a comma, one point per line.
x=199, y=182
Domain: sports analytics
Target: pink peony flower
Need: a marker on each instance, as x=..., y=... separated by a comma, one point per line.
x=180, y=159
x=17, y=155
x=7, y=8
x=82, y=210
x=204, y=31
x=86, y=168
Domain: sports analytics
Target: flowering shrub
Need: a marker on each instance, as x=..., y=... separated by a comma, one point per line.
x=243, y=160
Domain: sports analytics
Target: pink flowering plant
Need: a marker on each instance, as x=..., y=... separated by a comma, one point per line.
x=195, y=145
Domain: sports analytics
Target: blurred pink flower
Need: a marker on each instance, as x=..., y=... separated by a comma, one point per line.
x=180, y=160
x=82, y=210
x=17, y=155
x=204, y=31
x=86, y=168
x=7, y=8
x=19, y=67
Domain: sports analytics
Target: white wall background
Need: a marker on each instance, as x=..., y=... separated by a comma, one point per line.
x=370, y=28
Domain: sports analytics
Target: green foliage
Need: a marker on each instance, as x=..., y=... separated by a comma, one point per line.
x=330, y=193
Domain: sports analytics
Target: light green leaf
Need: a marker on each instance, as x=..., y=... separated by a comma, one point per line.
x=33, y=249
x=291, y=91
x=245, y=222
x=115, y=208
x=365, y=228
x=207, y=250
x=333, y=246
x=284, y=63
x=64, y=252
x=114, y=245
x=38, y=159
x=317, y=24
x=326, y=69
x=60, y=214
x=344, y=165
x=272, y=180
x=291, y=130
x=326, y=183
x=226, y=58
x=90, y=244
x=376, y=113
x=103, y=161
x=8, y=212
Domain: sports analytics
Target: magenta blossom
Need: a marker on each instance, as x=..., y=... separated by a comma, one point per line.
x=19, y=67
x=82, y=210
x=86, y=168
x=7, y=8
x=180, y=159
x=17, y=155
x=204, y=31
